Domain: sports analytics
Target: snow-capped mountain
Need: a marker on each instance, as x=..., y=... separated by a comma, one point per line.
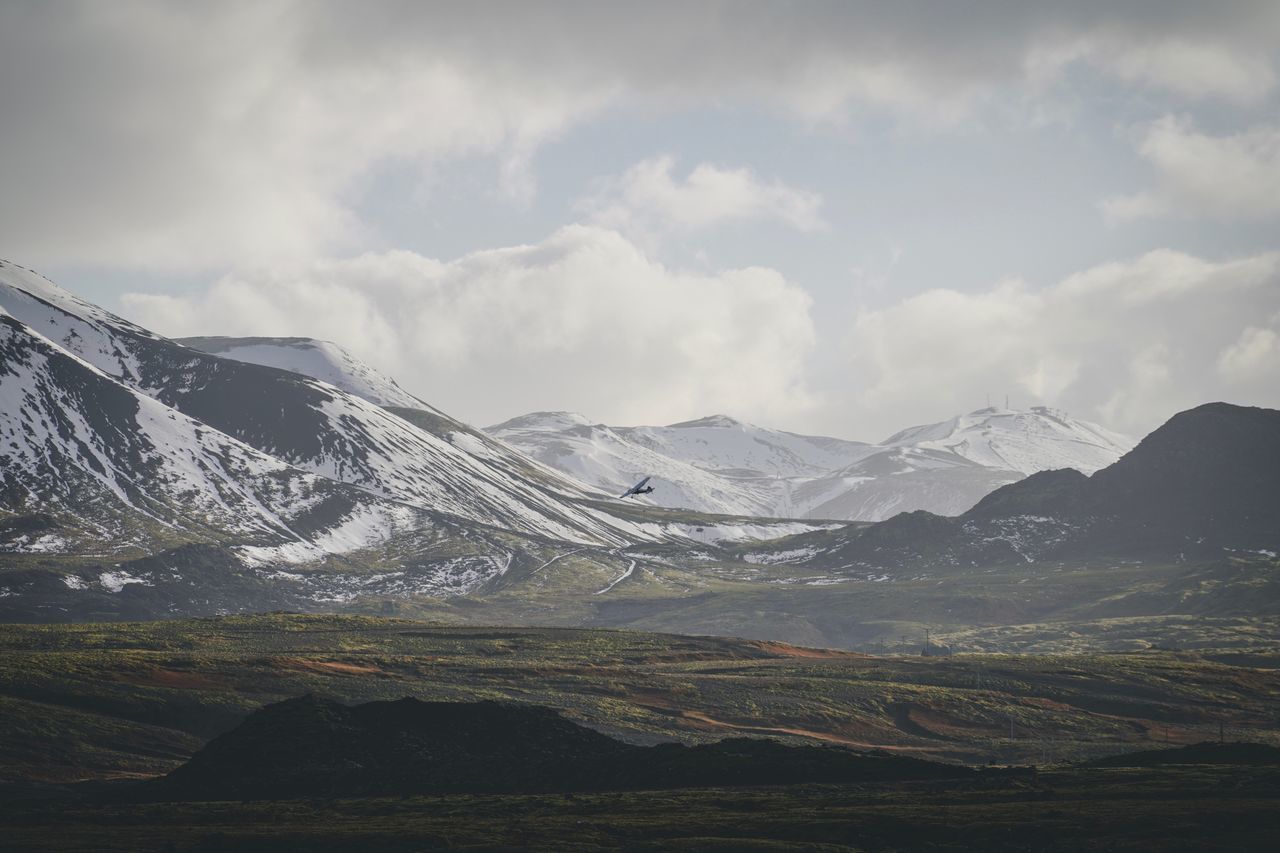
x=89, y=454
x=334, y=366
x=715, y=464
x=316, y=427
x=321, y=360
x=1038, y=439
x=719, y=464
x=1205, y=484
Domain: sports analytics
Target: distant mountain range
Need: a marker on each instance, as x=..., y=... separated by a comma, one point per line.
x=148, y=421
x=119, y=442
x=724, y=466
x=718, y=464
x=1204, y=483
x=141, y=477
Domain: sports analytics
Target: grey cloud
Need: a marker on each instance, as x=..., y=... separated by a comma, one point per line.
x=583, y=320
x=201, y=135
x=1232, y=176
x=1127, y=344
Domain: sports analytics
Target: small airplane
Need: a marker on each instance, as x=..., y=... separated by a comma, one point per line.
x=638, y=489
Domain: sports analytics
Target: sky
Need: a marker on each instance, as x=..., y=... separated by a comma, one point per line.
x=839, y=218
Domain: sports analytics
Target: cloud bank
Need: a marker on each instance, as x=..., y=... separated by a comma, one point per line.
x=583, y=317
x=1127, y=344
x=197, y=136
x=1233, y=176
x=647, y=198
x=586, y=321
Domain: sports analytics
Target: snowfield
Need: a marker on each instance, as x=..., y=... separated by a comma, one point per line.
x=725, y=466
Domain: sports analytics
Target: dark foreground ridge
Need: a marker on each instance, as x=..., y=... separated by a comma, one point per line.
x=310, y=747
x=1207, y=752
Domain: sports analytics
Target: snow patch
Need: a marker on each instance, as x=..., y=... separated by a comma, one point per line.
x=116, y=581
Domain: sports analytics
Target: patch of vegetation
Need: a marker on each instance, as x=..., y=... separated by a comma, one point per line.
x=96, y=701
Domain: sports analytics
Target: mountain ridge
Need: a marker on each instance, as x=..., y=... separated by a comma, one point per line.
x=721, y=464
x=1204, y=483
x=312, y=425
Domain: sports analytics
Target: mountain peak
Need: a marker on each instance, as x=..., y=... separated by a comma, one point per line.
x=542, y=422
x=322, y=360
x=713, y=421
x=1022, y=440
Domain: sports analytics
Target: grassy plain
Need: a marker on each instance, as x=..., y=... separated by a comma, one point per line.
x=127, y=700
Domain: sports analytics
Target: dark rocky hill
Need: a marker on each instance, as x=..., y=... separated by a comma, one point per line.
x=310, y=747
x=1205, y=483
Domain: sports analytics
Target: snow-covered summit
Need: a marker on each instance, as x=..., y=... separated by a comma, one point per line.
x=714, y=421
x=318, y=359
x=541, y=422
x=1026, y=441
x=737, y=448
x=438, y=465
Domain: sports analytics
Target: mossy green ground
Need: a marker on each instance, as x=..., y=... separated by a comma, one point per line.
x=135, y=699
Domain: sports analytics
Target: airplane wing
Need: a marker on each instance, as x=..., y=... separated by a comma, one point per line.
x=637, y=487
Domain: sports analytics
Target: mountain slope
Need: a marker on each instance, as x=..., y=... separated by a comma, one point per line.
x=718, y=464
x=613, y=459
x=333, y=365
x=314, y=426
x=80, y=445
x=1040, y=439
x=321, y=360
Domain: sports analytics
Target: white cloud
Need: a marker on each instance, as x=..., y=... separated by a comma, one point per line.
x=1127, y=344
x=647, y=198
x=1253, y=357
x=1196, y=69
x=204, y=136
x=1200, y=65
x=1232, y=176
x=581, y=321
x=193, y=136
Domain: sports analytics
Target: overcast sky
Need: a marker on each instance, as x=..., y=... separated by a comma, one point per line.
x=842, y=218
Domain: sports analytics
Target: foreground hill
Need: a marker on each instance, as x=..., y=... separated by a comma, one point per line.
x=311, y=747
x=719, y=464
